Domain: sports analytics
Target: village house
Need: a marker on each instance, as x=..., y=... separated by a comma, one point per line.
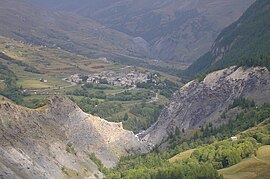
x=234, y=138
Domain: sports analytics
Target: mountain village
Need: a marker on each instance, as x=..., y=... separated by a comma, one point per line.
x=121, y=79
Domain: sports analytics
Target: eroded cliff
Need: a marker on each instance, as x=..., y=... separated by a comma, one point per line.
x=55, y=141
x=200, y=102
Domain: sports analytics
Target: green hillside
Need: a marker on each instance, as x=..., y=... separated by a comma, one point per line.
x=244, y=42
x=258, y=165
x=214, y=150
x=254, y=167
x=8, y=86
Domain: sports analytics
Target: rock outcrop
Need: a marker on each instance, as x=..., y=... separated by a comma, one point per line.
x=201, y=102
x=55, y=141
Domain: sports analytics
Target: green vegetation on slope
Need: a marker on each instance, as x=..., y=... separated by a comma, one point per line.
x=9, y=89
x=134, y=108
x=245, y=42
x=222, y=152
x=255, y=167
x=143, y=169
x=27, y=68
x=258, y=166
x=225, y=153
x=248, y=117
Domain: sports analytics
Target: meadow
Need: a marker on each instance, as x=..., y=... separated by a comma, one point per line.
x=255, y=167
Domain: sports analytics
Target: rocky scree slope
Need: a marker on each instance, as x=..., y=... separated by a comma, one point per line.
x=200, y=102
x=56, y=140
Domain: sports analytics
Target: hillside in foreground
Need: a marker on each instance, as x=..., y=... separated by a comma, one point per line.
x=255, y=167
x=58, y=141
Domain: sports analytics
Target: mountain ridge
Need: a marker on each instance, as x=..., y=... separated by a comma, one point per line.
x=173, y=29
x=23, y=21
x=246, y=38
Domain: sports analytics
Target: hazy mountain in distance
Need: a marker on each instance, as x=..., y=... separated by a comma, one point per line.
x=178, y=30
x=23, y=21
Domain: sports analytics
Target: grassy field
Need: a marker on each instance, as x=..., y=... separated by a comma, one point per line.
x=264, y=153
x=32, y=81
x=256, y=167
x=182, y=156
x=33, y=84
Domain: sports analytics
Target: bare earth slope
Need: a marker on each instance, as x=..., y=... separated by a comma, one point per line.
x=56, y=140
x=197, y=103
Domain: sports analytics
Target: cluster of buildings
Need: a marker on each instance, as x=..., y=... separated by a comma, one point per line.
x=113, y=78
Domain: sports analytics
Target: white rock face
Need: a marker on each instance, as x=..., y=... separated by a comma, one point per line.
x=197, y=103
x=55, y=141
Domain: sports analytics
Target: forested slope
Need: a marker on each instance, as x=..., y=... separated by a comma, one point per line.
x=213, y=148
x=245, y=42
